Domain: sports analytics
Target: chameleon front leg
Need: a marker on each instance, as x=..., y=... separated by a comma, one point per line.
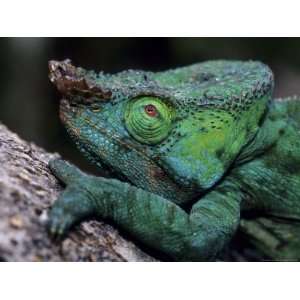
x=153, y=220
x=74, y=203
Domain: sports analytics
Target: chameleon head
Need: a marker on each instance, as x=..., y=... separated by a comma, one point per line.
x=174, y=132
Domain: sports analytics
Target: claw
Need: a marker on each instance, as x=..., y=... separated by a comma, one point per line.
x=59, y=223
x=52, y=227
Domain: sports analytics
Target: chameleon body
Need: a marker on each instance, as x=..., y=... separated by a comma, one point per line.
x=193, y=149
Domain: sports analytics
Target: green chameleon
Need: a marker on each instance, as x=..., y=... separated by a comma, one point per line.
x=194, y=149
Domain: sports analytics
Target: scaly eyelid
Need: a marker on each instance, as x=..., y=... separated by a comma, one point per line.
x=145, y=128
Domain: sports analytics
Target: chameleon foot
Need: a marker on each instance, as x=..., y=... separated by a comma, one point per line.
x=73, y=204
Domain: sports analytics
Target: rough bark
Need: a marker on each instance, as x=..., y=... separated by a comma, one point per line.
x=27, y=190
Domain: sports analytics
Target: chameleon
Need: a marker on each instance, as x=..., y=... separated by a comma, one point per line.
x=188, y=152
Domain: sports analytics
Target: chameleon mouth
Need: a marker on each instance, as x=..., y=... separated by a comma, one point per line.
x=72, y=81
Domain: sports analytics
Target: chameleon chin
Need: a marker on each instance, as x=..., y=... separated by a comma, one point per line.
x=208, y=137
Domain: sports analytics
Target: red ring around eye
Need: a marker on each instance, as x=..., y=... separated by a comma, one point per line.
x=151, y=110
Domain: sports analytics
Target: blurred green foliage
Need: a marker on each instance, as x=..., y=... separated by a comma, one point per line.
x=29, y=103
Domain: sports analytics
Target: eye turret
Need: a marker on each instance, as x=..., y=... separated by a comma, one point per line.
x=149, y=119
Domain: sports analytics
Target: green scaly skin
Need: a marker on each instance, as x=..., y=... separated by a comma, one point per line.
x=193, y=148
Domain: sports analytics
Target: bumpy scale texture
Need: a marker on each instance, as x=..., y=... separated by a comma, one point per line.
x=192, y=150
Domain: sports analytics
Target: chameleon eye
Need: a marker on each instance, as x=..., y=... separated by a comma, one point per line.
x=148, y=119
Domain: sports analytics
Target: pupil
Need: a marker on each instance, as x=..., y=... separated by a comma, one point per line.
x=150, y=110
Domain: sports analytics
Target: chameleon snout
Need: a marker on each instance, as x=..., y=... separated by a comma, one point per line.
x=72, y=81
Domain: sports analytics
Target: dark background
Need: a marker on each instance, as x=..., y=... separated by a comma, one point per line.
x=29, y=103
